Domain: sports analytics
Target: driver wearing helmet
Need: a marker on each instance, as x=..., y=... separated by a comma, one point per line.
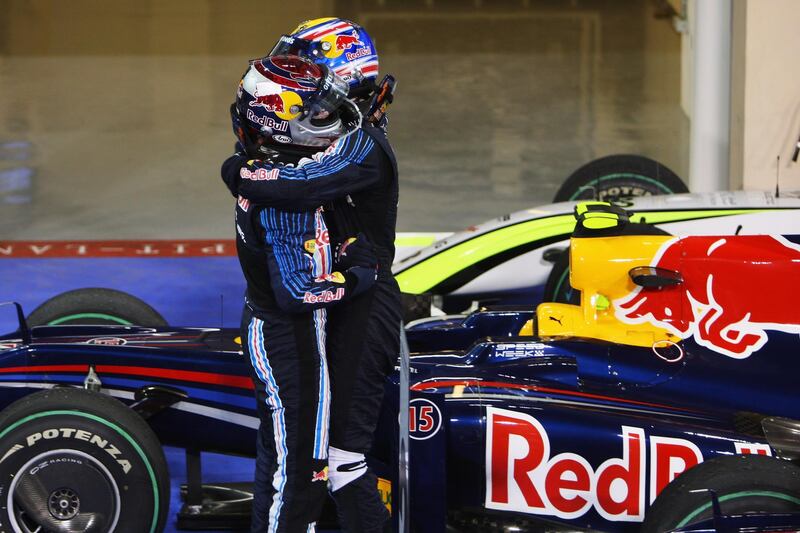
x=292, y=276
x=356, y=177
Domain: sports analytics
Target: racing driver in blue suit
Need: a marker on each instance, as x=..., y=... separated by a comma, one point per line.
x=292, y=276
x=356, y=178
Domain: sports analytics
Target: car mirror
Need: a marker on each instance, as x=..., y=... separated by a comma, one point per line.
x=12, y=322
x=655, y=277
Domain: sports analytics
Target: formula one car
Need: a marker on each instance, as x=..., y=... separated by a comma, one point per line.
x=520, y=258
x=669, y=359
x=681, y=351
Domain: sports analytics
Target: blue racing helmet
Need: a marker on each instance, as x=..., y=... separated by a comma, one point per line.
x=288, y=100
x=343, y=46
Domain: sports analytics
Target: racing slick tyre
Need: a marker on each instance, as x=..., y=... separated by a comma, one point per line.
x=95, y=306
x=72, y=460
x=619, y=176
x=742, y=483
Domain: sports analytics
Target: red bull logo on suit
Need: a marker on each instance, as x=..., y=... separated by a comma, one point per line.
x=734, y=290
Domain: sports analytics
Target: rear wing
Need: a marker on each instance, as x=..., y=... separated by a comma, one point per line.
x=22, y=332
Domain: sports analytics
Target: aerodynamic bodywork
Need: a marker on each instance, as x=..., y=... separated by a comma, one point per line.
x=508, y=260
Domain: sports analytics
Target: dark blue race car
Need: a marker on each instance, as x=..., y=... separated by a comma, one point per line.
x=681, y=357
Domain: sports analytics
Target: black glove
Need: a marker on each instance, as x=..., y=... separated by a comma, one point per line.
x=356, y=252
x=363, y=277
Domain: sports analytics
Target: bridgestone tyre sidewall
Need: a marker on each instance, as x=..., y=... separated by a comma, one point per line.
x=743, y=483
x=96, y=425
x=616, y=176
x=96, y=302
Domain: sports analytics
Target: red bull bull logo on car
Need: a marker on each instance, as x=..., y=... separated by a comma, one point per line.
x=734, y=290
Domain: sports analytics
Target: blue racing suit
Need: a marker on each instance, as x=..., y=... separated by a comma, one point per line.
x=291, y=279
x=357, y=178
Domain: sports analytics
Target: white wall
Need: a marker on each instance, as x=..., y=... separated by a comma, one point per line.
x=766, y=93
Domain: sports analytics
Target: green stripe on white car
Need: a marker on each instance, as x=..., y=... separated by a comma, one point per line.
x=439, y=267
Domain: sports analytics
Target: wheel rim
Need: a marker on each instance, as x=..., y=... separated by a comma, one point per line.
x=64, y=503
x=64, y=491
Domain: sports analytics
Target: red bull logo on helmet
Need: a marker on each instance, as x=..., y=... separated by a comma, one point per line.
x=735, y=289
x=270, y=102
x=267, y=122
x=334, y=45
x=270, y=97
x=361, y=52
x=343, y=42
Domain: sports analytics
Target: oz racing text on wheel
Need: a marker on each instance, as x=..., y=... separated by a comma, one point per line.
x=78, y=461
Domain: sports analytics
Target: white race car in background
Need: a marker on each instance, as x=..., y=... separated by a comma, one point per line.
x=519, y=259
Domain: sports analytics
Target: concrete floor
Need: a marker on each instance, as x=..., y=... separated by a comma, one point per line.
x=114, y=115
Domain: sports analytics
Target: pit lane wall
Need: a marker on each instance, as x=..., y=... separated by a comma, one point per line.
x=190, y=282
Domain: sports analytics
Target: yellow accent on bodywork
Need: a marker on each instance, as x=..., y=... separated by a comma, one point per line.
x=414, y=241
x=599, y=268
x=601, y=220
x=432, y=271
x=583, y=207
x=527, y=329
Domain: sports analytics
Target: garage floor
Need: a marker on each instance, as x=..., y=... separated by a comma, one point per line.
x=216, y=467
x=114, y=115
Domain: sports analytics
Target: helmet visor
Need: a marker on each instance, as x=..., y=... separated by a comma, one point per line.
x=295, y=46
x=332, y=93
x=327, y=90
